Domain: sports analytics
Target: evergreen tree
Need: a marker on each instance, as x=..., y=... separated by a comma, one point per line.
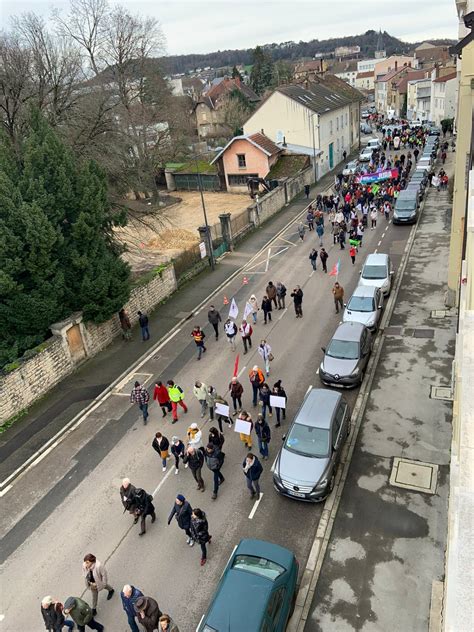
x=262, y=71
x=236, y=74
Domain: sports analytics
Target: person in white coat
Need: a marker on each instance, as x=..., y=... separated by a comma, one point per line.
x=254, y=304
x=195, y=437
x=265, y=352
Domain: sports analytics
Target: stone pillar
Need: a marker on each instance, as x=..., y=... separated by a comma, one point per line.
x=253, y=215
x=205, y=236
x=170, y=181
x=226, y=227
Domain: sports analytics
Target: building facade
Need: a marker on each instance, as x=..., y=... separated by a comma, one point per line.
x=443, y=98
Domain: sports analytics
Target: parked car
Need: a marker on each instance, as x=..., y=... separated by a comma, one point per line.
x=364, y=306
x=374, y=143
x=364, y=114
x=256, y=591
x=434, y=131
x=377, y=272
x=365, y=128
x=419, y=177
x=306, y=465
x=350, y=168
x=417, y=188
x=406, y=206
x=346, y=356
x=365, y=155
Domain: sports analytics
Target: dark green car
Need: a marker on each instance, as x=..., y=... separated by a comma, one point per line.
x=257, y=590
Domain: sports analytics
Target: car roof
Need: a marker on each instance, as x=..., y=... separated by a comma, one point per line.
x=365, y=290
x=350, y=331
x=376, y=259
x=318, y=407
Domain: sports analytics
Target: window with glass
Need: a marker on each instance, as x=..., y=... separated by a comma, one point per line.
x=361, y=304
x=343, y=349
x=241, y=161
x=308, y=440
x=258, y=566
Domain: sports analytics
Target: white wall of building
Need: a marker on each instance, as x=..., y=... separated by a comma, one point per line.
x=366, y=65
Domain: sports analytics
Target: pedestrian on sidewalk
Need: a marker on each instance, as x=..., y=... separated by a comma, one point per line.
x=95, y=577
x=167, y=624
x=265, y=352
x=177, y=399
x=344, y=155
x=214, y=318
x=266, y=309
x=246, y=332
x=320, y=232
x=143, y=507
x=125, y=325
x=342, y=238
x=53, y=617
x=194, y=435
x=195, y=459
x=200, y=393
x=143, y=322
x=254, y=305
x=352, y=254
x=338, y=293
x=310, y=220
x=140, y=396
x=297, y=296
x=236, y=389
x=230, y=329
x=263, y=432
x=81, y=613
x=306, y=190
x=178, y=450
x=264, y=396
x=323, y=255
x=127, y=495
x=214, y=461
x=279, y=391
x=182, y=511
x=211, y=398
x=253, y=470
x=148, y=613
x=129, y=596
x=373, y=218
x=160, y=395
x=281, y=293
x=222, y=418
x=313, y=255
x=386, y=210
x=246, y=438
x=256, y=380
x=161, y=445
x=200, y=531
x=301, y=230
x=271, y=292
x=198, y=335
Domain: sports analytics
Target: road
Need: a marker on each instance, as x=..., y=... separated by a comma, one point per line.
x=68, y=504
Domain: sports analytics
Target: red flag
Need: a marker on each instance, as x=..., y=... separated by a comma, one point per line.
x=334, y=270
x=236, y=365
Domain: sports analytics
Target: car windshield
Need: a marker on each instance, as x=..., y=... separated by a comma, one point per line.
x=361, y=304
x=343, y=349
x=258, y=566
x=374, y=272
x=308, y=441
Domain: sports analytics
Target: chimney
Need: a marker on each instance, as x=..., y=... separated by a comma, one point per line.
x=396, y=64
x=284, y=141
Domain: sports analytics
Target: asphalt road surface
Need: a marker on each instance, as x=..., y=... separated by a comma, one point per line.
x=68, y=504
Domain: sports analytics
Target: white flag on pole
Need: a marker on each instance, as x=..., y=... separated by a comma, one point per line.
x=248, y=310
x=234, y=310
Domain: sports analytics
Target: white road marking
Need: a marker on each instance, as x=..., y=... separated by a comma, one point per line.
x=268, y=259
x=241, y=371
x=375, y=251
x=4, y=491
x=255, y=506
x=283, y=313
x=308, y=389
x=160, y=484
x=311, y=273
x=317, y=371
x=275, y=254
x=272, y=469
x=379, y=243
x=287, y=241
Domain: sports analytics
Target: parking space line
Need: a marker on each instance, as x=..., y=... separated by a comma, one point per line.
x=161, y=483
x=255, y=506
x=283, y=313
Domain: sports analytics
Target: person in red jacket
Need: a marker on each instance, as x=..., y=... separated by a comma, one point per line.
x=352, y=254
x=160, y=395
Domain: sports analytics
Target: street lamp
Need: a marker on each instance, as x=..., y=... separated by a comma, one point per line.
x=208, y=230
x=314, y=146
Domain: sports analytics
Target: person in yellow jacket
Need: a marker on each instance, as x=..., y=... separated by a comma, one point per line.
x=177, y=398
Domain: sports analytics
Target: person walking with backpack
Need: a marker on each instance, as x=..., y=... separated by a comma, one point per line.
x=161, y=395
x=230, y=329
x=214, y=461
x=178, y=450
x=195, y=459
x=81, y=613
x=263, y=432
x=281, y=293
x=252, y=469
x=177, y=399
x=265, y=352
x=256, y=380
x=95, y=577
x=246, y=332
x=198, y=336
x=182, y=511
x=266, y=309
x=214, y=318
x=143, y=322
x=200, y=531
x=161, y=445
x=140, y=396
x=323, y=255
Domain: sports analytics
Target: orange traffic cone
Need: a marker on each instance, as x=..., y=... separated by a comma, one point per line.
x=245, y=281
x=226, y=300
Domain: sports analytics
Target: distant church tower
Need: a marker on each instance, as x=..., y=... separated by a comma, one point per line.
x=379, y=51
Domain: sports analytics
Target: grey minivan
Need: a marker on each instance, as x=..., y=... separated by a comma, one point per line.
x=406, y=206
x=346, y=356
x=306, y=465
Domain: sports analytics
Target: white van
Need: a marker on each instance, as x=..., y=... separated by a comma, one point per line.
x=374, y=143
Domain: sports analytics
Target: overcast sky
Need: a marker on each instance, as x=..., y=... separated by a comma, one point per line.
x=196, y=26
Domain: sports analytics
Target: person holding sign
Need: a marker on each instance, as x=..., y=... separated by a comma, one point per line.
x=278, y=401
x=223, y=412
x=244, y=426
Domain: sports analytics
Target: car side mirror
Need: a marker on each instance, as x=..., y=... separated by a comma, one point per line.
x=345, y=304
x=360, y=271
x=323, y=349
x=392, y=272
x=284, y=437
x=380, y=306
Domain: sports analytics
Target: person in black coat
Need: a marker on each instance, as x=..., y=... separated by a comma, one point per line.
x=178, y=450
x=214, y=461
x=143, y=507
x=200, y=531
x=53, y=617
x=263, y=432
x=127, y=494
x=195, y=459
x=161, y=445
x=252, y=469
x=297, y=296
x=267, y=309
x=279, y=391
x=216, y=437
x=182, y=511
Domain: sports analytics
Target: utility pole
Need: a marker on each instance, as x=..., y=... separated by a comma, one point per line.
x=208, y=232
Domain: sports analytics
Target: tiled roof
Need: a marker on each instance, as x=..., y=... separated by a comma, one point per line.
x=265, y=143
x=316, y=97
x=227, y=85
x=452, y=75
x=364, y=75
x=390, y=75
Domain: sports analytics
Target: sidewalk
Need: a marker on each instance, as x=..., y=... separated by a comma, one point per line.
x=47, y=416
x=384, y=565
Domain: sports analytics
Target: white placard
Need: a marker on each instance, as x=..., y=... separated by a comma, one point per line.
x=248, y=310
x=202, y=248
x=234, y=310
x=222, y=409
x=278, y=402
x=245, y=427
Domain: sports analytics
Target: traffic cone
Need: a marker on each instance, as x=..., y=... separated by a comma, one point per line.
x=245, y=281
x=226, y=300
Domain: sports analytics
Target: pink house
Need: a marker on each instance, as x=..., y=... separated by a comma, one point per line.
x=244, y=157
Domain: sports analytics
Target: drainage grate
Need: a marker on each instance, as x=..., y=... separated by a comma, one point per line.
x=440, y=313
x=414, y=475
x=444, y=393
x=423, y=333
x=393, y=331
